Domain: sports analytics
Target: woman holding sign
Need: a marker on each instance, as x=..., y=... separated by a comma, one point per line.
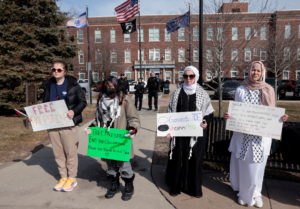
x=184, y=169
x=116, y=110
x=249, y=153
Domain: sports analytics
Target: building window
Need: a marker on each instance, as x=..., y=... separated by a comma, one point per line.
x=247, y=55
x=112, y=36
x=195, y=55
x=298, y=54
x=255, y=52
x=246, y=73
x=128, y=75
x=81, y=76
x=180, y=75
x=181, y=34
x=220, y=34
x=142, y=55
x=153, y=34
x=233, y=73
x=219, y=54
x=255, y=32
x=286, y=53
x=154, y=54
x=285, y=75
x=209, y=33
x=247, y=33
x=127, y=56
x=95, y=76
x=181, y=55
x=167, y=35
x=79, y=36
x=287, y=31
x=168, y=76
x=168, y=54
x=234, y=33
x=126, y=37
x=263, y=33
x=140, y=33
x=196, y=33
x=97, y=36
x=114, y=74
x=263, y=55
x=80, y=57
x=234, y=55
x=209, y=75
x=209, y=57
x=297, y=75
x=98, y=57
x=113, y=57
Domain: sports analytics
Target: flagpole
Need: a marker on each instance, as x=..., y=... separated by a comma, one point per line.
x=190, y=44
x=200, y=52
x=140, y=43
x=88, y=65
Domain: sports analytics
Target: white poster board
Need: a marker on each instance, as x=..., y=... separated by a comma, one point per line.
x=253, y=119
x=49, y=115
x=179, y=124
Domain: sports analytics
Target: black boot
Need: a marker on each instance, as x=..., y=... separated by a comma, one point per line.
x=114, y=186
x=129, y=189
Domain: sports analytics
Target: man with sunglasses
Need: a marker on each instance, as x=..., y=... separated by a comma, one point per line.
x=65, y=140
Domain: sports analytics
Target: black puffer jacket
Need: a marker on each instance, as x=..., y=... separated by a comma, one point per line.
x=75, y=98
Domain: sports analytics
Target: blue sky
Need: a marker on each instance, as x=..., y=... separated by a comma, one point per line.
x=100, y=8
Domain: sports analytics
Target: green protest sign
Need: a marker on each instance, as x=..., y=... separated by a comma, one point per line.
x=111, y=144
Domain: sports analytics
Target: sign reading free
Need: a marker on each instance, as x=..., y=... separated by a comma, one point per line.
x=49, y=115
x=179, y=124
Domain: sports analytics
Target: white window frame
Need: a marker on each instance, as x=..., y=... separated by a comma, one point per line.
x=287, y=31
x=80, y=57
x=234, y=55
x=98, y=37
x=220, y=55
x=246, y=73
x=167, y=36
x=247, y=57
x=80, y=37
x=298, y=53
x=127, y=56
x=95, y=76
x=263, y=33
x=113, y=56
x=128, y=75
x=98, y=57
x=112, y=36
x=127, y=37
x=114, y=73
x=181, y=34
x=154, y=54
x=209, y=75
x=285, y=75
x=153, y=34
x=181, y=55
x=142, y=54
x=168, y=75
x=263, y=55
x=234, y=33
x=168, y=54
x=81, y=75
x=196, y=55
x=220, y=33
x=195, y=33
x=247, y=33
x=209, y=55
x=142, y=35
x=209, y=33
x=234, y=73
x=286, y=53
x=255, y=52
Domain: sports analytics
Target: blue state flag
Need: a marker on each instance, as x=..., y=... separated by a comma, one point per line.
x=78, y=22
x=178, y=22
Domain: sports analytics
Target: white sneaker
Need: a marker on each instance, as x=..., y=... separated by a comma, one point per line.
x=241, y=202
x=258, y=202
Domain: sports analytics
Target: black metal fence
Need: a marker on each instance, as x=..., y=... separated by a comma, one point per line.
x=285, y=154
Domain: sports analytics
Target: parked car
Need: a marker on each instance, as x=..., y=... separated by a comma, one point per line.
x=297, y=89
x=84, y=83
x=281, y=91
x=228, y=90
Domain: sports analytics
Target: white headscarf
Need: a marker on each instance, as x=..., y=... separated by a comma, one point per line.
x=191, y=89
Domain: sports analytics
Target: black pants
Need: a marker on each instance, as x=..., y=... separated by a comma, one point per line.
x=150, y=95
x=138, y=99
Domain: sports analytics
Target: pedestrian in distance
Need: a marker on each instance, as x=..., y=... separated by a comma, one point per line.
x=123, y=83
x=249, y=153
x=65, y=140
x=116, y=110
x=139, y=92
x=153, y=88
x=184, y=168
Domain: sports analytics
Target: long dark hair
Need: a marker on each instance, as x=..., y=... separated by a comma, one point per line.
x=103, y=88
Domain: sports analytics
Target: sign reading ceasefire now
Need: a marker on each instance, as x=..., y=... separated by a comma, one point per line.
x=112, y=144
x=253, y=119
x=49, y=115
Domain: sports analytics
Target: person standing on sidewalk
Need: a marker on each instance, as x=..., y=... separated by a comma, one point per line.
x=249, y=153
x=116, y=110
x=139, y=92
x=123, y=83
x=184, y=169
x=153, y=88
x=65, y=140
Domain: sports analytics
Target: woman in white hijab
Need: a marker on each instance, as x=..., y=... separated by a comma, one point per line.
x=184, y=169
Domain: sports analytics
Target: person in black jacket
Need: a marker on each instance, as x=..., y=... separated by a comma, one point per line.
x=65, y=140
x=153, y=88
x=123, y=84
x=139, y=92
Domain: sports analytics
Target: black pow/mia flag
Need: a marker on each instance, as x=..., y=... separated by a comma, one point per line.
x=129, y=27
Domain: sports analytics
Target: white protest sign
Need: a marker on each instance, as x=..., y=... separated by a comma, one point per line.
x=253, y=119
x=179, y=124
x=49, y=115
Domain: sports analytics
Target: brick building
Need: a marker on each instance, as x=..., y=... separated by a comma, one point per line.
x=233, y=38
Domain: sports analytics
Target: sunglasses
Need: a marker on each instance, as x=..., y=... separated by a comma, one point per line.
x=56, y=70
x=188, y=76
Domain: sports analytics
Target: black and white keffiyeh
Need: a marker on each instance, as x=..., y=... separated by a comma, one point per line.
x=108, y=110
x=203, y=104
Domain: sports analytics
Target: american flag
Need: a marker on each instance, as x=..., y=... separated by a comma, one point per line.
x=127, y=10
